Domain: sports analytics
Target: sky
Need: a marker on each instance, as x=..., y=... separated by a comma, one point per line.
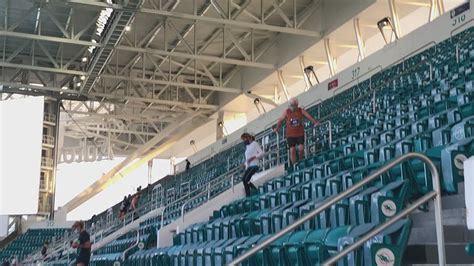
x=74, y=177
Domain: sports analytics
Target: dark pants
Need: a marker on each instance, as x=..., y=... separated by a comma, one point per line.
x=246, y=179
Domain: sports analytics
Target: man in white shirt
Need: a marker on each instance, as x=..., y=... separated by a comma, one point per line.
x=253, y=152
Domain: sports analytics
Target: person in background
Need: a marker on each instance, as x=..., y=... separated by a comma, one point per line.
x=188, y=165
x=44, y=249
x=253, y=152
x=83, y=244
x=295, y=128
x=123, y=207
x=134, y=203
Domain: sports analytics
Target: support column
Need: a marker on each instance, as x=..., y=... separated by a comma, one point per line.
x=276, y=96
x=436, y=9
x=283, y=84
x=359, y=39
x=440, y=7
x=395, y=19
x=433, y=9
x=305, y=77
x=330, y=58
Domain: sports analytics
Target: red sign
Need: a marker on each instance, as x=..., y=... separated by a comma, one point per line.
x=333, y=84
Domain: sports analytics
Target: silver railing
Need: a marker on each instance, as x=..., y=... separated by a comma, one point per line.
x=55, y=251
x=223, y=178
x=48, y=117
x=209, y=187
x=124, y=253
x=312, y=143
x=434, y=194
x=48, y=140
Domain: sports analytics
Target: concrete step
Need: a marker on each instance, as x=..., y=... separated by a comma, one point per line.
x=451, y=217
x=452, y=234
x=428, y=255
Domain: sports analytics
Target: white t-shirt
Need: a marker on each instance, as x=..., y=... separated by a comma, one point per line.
x=253, y=149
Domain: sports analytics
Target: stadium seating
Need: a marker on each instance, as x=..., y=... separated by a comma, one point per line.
x=423, y=104
x=32, y=240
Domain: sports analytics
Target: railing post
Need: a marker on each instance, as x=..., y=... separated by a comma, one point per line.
x=305, y=149
x=232, y=182
x=208, y=191
x=278, y=150
x=330, y=132
x=434, y=194
x=431, y=71
x=374, y=102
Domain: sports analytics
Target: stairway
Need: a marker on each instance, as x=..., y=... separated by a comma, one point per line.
x=422, y=249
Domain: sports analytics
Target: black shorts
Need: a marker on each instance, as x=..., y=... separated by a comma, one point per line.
x=293, y=141
x=83, y=259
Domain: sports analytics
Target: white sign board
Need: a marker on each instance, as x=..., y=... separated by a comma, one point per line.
x=468, y=187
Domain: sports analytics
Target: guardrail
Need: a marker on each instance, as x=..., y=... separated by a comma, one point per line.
x=51, y=118
x=48, y=140
x=47, y=162
x=210, y=185
x=434, y=194
x=124, y=253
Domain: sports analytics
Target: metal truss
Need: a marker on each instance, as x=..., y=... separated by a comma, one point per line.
x=154, y=61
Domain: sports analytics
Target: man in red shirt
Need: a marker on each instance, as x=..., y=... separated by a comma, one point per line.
x=295, y=128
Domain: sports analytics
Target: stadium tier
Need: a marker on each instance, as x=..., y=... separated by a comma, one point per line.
x=417, y=111
x=421, y=104
x=30, y=242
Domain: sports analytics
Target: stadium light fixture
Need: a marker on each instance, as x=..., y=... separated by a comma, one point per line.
x=258, y=103
x=193, y=145
x=221, y=125
x=308, y=72
x=386, y=22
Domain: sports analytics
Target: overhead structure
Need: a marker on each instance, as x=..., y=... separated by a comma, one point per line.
x=125, y=71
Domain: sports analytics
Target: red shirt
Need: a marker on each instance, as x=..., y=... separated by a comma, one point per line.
x=294, y=123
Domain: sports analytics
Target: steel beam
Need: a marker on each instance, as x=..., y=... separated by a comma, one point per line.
x=45, y=69
x=45, y=38
x=395, y=19
x=192, y=17
x=151, y=100
x=196, y=57
x=283, y=84
x=227, y=22
x=359, y=39
x=174, y=83
x=330, y=58
x=114, y=130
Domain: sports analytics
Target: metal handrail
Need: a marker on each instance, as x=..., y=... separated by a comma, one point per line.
x=187, y=195
x=436, y=194
x=124, y=253
x=329, y=129
x=207, y=191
